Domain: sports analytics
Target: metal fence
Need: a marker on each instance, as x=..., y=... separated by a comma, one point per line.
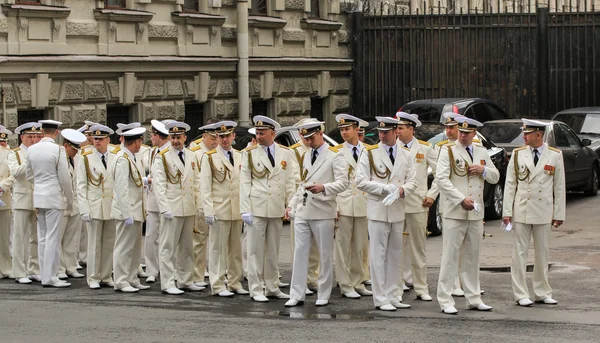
x=532, y=61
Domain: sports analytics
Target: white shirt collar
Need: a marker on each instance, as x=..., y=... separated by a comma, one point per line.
x=101, y=154
x=320, y=149
x=540, y=150
x=220, y=148
x=270, y=147
x=131, y=155
x=357, y=146
x=23, y=147
x=409, y=144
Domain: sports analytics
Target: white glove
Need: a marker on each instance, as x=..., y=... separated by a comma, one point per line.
x=128, y=222
x=210, y=220
x=168, y=215
x=391, y=198
x=477, y=208
x=2, y=203
x=389, y=189
x=247, y=217
x=86, y=217
x=506, y=227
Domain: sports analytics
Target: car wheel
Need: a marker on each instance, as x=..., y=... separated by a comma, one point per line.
x=593, y=187
x=435, y=220
x=495, y=210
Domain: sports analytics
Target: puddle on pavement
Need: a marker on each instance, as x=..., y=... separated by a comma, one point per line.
x=302, y=315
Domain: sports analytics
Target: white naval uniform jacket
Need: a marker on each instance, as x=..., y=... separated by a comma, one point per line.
x=177, y=186
x=95, y=183
x=423, y=155
x=399, y=174
x=352, y=202
x=74, y=210
x=48, y=169
x=128, y=195
x=455, y=186
x=6, y=179
x=540, y=197
x=22, y=192
x=151, y=203
x=265, y=192
x=331, y=170
x=220, y=184
x=199, y=149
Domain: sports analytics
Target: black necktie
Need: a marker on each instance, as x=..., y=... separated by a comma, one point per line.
x=230, y=158
x=104, y=161
x=181, y=157
x=535, y=157
x=355, y=154
x=469, y=152
x=270, y=157
x=406, y=146
x=392, y=155
x=314, y=157
x=71, y=161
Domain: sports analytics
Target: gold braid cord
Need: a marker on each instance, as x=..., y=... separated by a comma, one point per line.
x=97, y=182
x=521, y=176
x=216, y=172
x=257, y=174
x=300, y=160
x=137, y=179
x=172, y=179
x=458, y=171
x=18, y=158
x=380, y=174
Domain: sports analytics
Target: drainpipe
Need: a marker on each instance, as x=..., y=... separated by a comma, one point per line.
x=242, y=69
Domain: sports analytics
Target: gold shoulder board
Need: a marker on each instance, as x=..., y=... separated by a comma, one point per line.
x=424, y=143
x=371, y=147
x=295, y=145
x=520, y=148
x=116, y=150
x=163, y=152
x=442, y=143
x=554, y=149
x=339, y=146
x=333, y=149
x=211, y=152
x=476, y=140
x=16, y=149
x=196, y=148
x=198, y=141
x=85, y=153
x=405, y=148
x=251, y=147
x=283, y=147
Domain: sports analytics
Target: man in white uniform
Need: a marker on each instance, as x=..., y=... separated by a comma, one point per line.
x=266, y=183
x=177, y=185
x=424, y=157
x=6, y=183
x=220, y=186
x=129, y=212
x=83, y=230
x=386, y=172
x=324, y=174
x=462, y=171
x=47, y=169
x=534, y=202
x=351, y=233
x=25, y=239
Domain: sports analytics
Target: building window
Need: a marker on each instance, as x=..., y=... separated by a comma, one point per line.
x=314, y=9
x=259, y=7
x=115, y=4
x=260, y=108
x=190, y=6
x=32, y=2
x=114, y=115
x=316, y=108
x=29, y=116
x=194, y=117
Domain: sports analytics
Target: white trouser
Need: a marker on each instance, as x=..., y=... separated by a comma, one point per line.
x=365, y=262
x=128, y=250
x=263, y=252
x=385, y=257
x=200, y=237
x=466, y=235
x=49, y=224
x=24, y=244
x=176, y=250
x=414, y=261
x=313, y=257
x=224, y=241
x=68, y=244
x=323, y=231
x=245, y=249
x=82, y=249
x=151, y=243
x=101, y=245
x=5, y=261
x=350, y=238
x=541, y=240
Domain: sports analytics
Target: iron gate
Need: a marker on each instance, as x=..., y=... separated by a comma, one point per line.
x=532, y=63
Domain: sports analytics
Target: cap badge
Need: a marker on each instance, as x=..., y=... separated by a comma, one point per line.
x=33, y=128
x=97, y=132
x=175, y=129
x=342, y=121
x=381, y=124
x=304, y=132
x=223, y=127
x=259, y=123
x=3, y=135
x=448, y=119
x=465, y=125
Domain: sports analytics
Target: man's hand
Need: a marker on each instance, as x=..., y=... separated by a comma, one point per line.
x=149, y=180
x=86, y=217
x=468, y=204
x=315, y=188
x=476, y=169
x=557, y=223
x=286, y=215
x=248, y=218
x=506, y=220
x=428, y=202
x=168, y=215
x=128, y=222
x=401, y=192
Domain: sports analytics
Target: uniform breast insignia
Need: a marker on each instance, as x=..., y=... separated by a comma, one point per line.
x=284, y=165
x=377, y=170
x=458, y=166
x=548, y=169
x=419, y=157
x=482, y=162
x=521, y=171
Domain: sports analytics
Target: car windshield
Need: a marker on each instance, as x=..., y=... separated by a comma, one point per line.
x=427, y=112
x=503, y=132
x=581, y=122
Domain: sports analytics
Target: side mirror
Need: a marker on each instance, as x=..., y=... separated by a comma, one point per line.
x=586, y=142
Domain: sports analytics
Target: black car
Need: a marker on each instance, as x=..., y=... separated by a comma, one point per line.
x=430, y=110
x=434, y=133
x=585, y=122
x=582, y=166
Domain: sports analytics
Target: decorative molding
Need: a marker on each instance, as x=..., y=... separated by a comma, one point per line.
x=123, y=15
x=294, y=35
x=23, y=23
x=35, y=11
x=162, y=31
x=56, y=24
x=265, y=22
x=112, y=26
x=199, y=19
x=320, y=24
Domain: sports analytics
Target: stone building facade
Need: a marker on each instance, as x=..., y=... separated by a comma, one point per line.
x=135, y=60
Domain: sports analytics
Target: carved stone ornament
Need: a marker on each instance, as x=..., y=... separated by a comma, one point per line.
x=190, y=30
x=23, y=23
x=112, y=26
